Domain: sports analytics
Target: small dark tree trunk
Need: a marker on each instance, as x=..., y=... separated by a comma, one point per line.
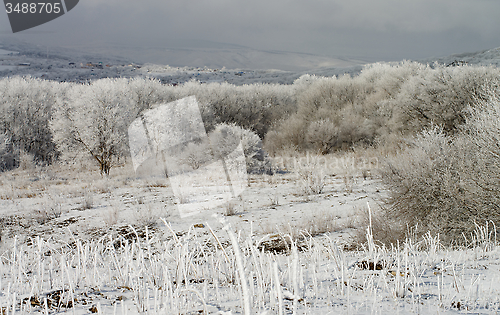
x=105, y=167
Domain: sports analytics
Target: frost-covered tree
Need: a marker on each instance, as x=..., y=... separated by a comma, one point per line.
x=254, y=107
x=93, y=119
x=146, y=93
x=25, y=112
x=323, y=135
x=222, y=142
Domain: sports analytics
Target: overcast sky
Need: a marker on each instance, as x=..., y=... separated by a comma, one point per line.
x=381, y=30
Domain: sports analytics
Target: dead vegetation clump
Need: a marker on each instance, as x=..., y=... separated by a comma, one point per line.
x=229, y=209
x=386, y=230
x=279, y=238
x=311, y=180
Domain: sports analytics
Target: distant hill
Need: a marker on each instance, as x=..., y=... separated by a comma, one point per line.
x=235, y=64
x=217, y=56
x=195, y=60
x=480, y=58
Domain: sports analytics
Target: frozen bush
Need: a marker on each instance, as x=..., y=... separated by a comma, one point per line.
x=325, y=97
x=222, y=141
x=290, y=133
x=225, y=138
x=481, y=136
x=422, y=182
x=148, y=92
x=8, y=158
x=438, y=96
x=330, y=116
x=447, y=184
x=323, y=135
x=311, y=178
x=254, y=107
x=196, y=154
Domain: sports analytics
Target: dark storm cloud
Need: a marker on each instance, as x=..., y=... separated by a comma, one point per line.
x=385, y=30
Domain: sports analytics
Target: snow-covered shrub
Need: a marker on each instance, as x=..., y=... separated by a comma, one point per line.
x=145, y=93
x=221, y=142
x=448, y=183
x=438, y=96
x=481, y=135
x=311, y=178
x=422, y=181
x=289, y=134
x=330, y=116
x=323, y=135
x=254, y=107
x=384, y=80
x=8, y=158
x=327, y=95
x=383, y=83
x=196, y=154
x=225, y=138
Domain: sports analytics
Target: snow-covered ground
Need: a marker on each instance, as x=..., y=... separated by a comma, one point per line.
x=7, y=52
x=89, y=200
x=69, y=234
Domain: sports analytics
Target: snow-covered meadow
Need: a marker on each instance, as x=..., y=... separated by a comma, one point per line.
x=75, y=242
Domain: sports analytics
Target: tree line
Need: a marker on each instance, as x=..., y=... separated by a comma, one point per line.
x=53, y=121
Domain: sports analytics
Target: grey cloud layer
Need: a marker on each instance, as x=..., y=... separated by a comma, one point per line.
x=385, y=29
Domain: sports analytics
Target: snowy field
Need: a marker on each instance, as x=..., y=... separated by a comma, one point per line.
x=4, y=52
x=77, y=243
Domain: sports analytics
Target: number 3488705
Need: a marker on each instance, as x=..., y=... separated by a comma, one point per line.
x=33, y=8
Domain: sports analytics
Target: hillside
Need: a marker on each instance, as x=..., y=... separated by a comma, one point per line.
x=207, y=63
x=480, y=58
